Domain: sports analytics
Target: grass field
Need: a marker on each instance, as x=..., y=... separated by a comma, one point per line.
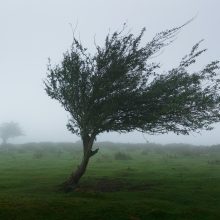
x=122, y=182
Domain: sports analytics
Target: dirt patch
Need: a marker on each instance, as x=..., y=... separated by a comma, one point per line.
x=113, y=185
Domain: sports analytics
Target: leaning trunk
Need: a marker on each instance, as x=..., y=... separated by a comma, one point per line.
x=72, y=182
x=4, y=141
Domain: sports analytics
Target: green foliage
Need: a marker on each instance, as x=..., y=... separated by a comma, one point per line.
x=119, y=88
x=9, y=130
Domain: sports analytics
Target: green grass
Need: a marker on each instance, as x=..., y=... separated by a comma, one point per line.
x=156, y=182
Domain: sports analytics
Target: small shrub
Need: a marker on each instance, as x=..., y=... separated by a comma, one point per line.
x=171, y=156
x=145, y=152
x=59, y=153
x=38, y=155
x=214, y=162
x=21, y=151
x=104, y=158
x=122, y=156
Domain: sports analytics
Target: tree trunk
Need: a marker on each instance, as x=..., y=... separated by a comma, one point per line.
x=4, y=141
x=72, y=182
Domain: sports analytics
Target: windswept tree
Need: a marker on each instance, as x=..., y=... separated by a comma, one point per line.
x=120, y=89
x=9, y=130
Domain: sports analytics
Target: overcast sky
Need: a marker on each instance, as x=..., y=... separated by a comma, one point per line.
x=33, y=30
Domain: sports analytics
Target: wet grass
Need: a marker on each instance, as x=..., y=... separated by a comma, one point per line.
x=156, y=182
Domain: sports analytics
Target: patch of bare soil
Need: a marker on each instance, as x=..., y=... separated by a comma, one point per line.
x=113, y=185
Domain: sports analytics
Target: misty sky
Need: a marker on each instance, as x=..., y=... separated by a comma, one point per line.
x=33, y=30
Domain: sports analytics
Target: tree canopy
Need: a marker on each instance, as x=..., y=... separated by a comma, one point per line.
x=9, y=130
x=120, y=88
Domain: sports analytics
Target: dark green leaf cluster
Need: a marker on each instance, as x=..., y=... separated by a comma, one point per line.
x=119, y=88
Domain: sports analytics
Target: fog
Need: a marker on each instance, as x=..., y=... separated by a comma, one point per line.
x=32, y=31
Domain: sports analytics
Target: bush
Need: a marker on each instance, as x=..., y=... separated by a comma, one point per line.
x=214, y=162
x=38, y=155
x=104, y=158
x=122, y=156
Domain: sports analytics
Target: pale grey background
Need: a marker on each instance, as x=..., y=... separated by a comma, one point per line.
x=33, y=30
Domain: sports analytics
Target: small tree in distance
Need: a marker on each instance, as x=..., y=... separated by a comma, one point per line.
x=9, y=130
x=119, y=89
